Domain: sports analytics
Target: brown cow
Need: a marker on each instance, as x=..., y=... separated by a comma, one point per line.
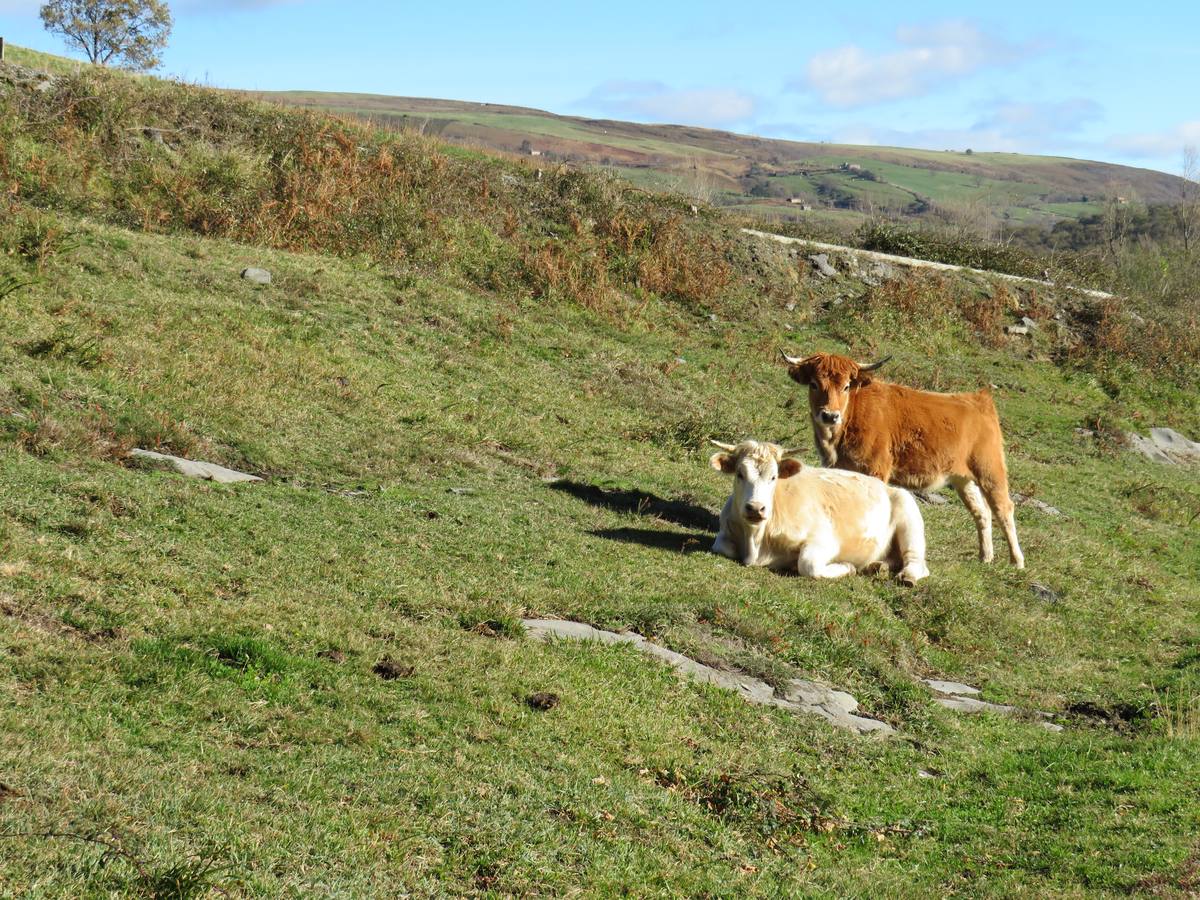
x=916, y=439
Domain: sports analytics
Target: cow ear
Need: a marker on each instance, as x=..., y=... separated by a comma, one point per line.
x=800, y=374
x=722, y=462
x=863, y=375
x=789, y=467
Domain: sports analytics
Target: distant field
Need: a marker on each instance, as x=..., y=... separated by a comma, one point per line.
x=695, y=161
x=841, y=219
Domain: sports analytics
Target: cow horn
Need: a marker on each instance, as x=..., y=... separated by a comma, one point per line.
x=873, y=366
x=791, y=451
x=791, y=360
x=728, y=448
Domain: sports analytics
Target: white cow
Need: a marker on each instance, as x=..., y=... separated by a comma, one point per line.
x=824, y=523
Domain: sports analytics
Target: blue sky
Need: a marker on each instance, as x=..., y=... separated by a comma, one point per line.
x=1068, y=78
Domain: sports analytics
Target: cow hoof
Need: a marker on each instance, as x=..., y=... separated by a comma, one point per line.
x=874, y=568
x=910, y=577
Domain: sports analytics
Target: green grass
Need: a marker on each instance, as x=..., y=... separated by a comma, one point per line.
x=1013, y=198
x=163, y=636
x=186, y=669
x=531, y=124
x=46, y=62
x=1076, y=210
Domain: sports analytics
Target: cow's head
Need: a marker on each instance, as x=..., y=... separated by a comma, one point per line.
x=830, y=380
x=756, y=468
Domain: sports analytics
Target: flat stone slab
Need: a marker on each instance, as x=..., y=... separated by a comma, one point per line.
x=256, y=275
x=194, y=468
x=1039, y=505
x=910, y=262
x=964, y=699
x=931, y=498
x=1165, y=445
x=836, y=707
x=953, y=688
x=820, y=262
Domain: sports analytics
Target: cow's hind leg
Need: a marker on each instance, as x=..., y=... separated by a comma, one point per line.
x=908, y=539
x=1001, y=503
x=972, y=498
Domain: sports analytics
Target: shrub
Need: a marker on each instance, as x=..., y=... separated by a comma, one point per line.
x=217, y=164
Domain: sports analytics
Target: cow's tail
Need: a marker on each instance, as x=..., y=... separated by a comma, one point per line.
x=909, y=536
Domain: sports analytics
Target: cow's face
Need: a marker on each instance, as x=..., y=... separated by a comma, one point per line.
x=756, y=469
x=831, y=380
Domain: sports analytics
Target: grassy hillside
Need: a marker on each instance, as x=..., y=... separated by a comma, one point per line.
x=726, y=168
x=43, y=62
x=470, y=388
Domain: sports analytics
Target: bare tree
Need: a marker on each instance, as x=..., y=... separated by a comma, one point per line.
x=1187, y=212
x=128, y=33
x=1116, y=216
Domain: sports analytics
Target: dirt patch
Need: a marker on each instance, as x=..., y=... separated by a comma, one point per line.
x=390, y=669
x=543, y=701
x=1185, y=881
x=57, y=626
x=1122, y=717
x=487, y=624
x=767, y=802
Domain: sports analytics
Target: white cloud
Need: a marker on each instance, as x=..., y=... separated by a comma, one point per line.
x=1015, y=127
x=1040, y=120
x=720, y=107
x=1162, y=145
x=927, y=56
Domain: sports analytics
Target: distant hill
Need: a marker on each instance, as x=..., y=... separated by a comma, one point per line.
x=774, y=178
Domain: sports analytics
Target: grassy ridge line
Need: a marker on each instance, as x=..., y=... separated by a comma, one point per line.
x=44, y=62
x=1019, y=186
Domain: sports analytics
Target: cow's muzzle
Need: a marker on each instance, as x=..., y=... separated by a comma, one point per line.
x=755, y=512
x=830, y=417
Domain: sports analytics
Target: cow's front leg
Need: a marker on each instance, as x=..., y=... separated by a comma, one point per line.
x=814, y=563
x=750, y=555
x=829, y=570
x=725, y=546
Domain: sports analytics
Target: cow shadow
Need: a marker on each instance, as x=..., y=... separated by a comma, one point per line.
x=703, y=523
x=685, y=542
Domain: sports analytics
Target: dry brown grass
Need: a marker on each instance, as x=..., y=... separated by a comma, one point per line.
x=689, y=268
x=558, y=270
x=1166, y=348
x=211, y=163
